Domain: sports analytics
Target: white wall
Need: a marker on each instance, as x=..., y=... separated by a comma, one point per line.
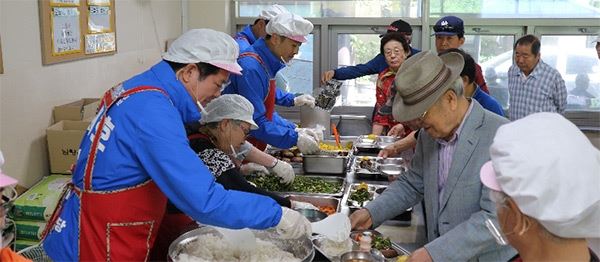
x=214, y=14
x=28, y=90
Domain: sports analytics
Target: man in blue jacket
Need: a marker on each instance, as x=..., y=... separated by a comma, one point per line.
x=261, y=62
x=135, y=155
x=377, y=64
x=251, y=33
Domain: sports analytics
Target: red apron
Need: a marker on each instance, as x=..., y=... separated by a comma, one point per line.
x=269, y=101
x=119, y=225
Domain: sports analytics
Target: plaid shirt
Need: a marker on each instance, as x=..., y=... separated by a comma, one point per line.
x=542, y=91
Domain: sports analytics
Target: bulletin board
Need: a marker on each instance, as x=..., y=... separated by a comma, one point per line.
x=76, y=29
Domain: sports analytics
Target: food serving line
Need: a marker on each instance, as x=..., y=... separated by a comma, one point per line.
x=361, y=177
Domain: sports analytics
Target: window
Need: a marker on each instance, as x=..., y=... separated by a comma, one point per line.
x=353, y=49
x=494, y=54
x=575, y=58
x=299, y=72
x=348, y=8
x=516, y=8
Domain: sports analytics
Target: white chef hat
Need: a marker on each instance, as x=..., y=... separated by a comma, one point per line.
x=551, y=170
x=206, y=46
x=291, y=26
x=272, y=11
x=229, y=106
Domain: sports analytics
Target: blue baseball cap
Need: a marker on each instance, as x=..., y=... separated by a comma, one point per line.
x=448, y=26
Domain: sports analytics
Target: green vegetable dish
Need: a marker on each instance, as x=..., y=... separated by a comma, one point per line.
x=381, y=243
x=301, y=184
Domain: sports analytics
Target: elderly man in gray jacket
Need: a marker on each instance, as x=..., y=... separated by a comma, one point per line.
x=453, y=144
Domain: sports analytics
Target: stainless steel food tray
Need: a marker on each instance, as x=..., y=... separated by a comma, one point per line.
x=325, y=164
x=318, y=201
x=339, y=193
x=318, y=240
x=352, y=187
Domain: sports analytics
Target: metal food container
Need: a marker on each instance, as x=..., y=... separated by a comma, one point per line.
x=302, y=248
x=392, y=169
x=325, y=164
x=339, y=193
x=318, y=201
x=353, y=205
x=391, y=161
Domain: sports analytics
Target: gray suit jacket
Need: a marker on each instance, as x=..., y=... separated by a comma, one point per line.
x=455, y=227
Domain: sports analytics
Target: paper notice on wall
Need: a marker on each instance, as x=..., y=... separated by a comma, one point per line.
x=98, y=2
x=99, y=19
x=65, y=30
x=64, y=2
x=100, y=43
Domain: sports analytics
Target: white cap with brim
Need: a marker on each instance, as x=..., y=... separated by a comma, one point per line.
x=4, y=179
x=291, y=26
x=272, y=11
x=205, y=46
x=229, y=106
x=552, y=172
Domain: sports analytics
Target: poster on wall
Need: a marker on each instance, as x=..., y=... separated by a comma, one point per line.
x=100, y=43
x=65, y=31
x=64, y=2
x=99, y=2
x=99, y=19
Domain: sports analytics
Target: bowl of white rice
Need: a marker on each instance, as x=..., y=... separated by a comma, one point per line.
x=207, y=244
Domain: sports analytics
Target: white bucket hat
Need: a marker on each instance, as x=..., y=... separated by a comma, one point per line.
x=551, y=170
x=229, y=106
x=206, y=46
x=291, y=26
x=272, y=11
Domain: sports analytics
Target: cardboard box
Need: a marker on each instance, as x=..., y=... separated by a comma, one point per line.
x=79, y=110
x=64, y=138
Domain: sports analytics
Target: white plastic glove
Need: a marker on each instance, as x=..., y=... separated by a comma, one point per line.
x=292, y=224
x=253, y=168
x=317, y=134
x=284, y=171
x=307, y=144
x=304, y=100
x=302, y=205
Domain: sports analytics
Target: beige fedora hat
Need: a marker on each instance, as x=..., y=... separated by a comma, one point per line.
x=421, y=80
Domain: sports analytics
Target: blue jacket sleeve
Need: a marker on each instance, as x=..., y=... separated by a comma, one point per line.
x=252, y=86
x=282, y=121
x=375, y=66
x=164, y=152
x=283, y=98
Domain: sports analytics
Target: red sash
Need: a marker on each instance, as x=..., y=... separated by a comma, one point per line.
x=269, y=101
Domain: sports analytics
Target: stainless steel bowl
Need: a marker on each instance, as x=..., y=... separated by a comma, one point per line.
x=302, y=248
x=357, y=256
x=387, y=139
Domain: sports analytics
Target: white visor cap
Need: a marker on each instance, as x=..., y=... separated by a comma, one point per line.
x=272, y=11
x=206, y=46
x=291, y=26
x=229, y=106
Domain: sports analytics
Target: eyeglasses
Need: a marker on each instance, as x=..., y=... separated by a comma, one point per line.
x=395, y=51
x=445, y=28
x=245, y=130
